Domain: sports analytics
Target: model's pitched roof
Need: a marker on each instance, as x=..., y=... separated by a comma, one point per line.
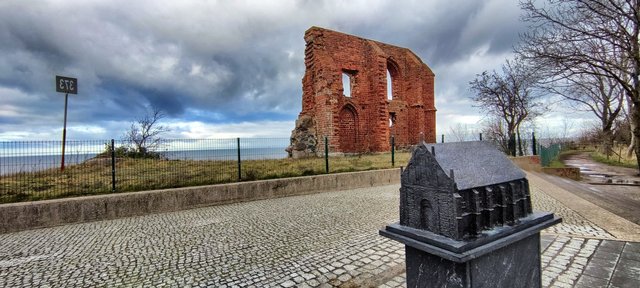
x=475, y=164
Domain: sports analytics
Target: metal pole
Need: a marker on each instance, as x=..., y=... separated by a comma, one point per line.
x=64, y=130
x=239, y=162
x=113, y=166
x=393, y=151
x=326, y=154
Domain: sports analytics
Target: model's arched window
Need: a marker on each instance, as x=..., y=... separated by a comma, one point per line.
x=425, y=207
x=346, y=84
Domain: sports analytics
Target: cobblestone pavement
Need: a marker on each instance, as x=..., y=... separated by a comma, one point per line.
x=325, y=239
x=320, y=240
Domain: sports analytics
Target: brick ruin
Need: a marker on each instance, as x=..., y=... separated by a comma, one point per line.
x=364, y=119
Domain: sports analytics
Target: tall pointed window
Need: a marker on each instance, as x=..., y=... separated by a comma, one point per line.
x=393, y=81
x=389, y=86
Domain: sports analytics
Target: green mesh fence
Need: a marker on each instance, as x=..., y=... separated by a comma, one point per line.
x=548, y=154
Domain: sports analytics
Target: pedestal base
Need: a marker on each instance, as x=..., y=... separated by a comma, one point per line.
x=516, y=265
x=506, y=257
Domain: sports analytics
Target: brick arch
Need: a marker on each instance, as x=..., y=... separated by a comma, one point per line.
x=348, y=129
x=394, y=70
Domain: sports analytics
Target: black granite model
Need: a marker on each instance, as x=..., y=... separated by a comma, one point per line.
x=466, y=219
x=459, y=189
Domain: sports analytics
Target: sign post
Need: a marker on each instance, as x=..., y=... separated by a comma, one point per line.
x=65, y=85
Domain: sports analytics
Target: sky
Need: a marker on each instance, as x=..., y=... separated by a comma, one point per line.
x=223, y=69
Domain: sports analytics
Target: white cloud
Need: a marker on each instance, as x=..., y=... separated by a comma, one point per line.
x=258, y=129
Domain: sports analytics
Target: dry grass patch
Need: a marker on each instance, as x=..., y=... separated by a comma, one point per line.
x=94, y=177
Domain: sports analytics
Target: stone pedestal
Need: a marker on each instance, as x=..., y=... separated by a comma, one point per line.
x=506, y=256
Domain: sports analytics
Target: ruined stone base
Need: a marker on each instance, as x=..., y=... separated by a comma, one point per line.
x=508, y=257
x=303, y=139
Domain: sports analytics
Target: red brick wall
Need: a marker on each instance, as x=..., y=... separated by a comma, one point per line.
x=360, y=123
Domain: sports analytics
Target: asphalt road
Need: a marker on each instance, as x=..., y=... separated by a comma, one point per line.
x=622, y=200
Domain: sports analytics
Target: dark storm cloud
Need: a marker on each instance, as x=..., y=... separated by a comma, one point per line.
x=236, y=60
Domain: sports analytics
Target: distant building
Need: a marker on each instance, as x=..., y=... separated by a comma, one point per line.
x=345, y=96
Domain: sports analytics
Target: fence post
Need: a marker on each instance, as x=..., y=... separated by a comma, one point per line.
x=533, y=143
x=113, y=166
x=326, y=154
x=393, y=151
x=480, y=136
x=620, y=155
x=442, y=138
x=239, y=161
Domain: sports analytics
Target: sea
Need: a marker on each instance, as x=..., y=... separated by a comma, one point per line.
x=32, y=163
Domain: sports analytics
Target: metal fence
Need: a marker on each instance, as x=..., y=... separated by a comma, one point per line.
x=547, y=148
x=32, y=170
x=550, y=153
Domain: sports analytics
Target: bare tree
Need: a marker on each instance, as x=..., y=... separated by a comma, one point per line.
x=590, y=37
x=460, y=132
x=144, y=133
x=510, y=95
x=495, y=131
x=632, y=128
x=595, y=93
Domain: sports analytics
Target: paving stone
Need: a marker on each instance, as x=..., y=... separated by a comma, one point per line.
x=632, y=247
x=606, y=255
x=562, y=284
x=611, y=246
x=344, y=277
x=313, y=283
x=628, y=269
x=298, y=279
x=630, y=252
x=623, y=282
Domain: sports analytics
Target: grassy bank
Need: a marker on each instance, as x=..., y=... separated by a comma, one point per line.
x=615, y=160
x=95, y=176
x=618, y=158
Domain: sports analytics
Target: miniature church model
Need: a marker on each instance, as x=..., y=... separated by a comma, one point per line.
x=459, y=190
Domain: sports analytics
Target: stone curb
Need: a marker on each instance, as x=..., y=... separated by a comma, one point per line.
x=28, y=215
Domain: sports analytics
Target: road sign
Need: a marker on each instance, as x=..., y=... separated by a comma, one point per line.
x=66, y=85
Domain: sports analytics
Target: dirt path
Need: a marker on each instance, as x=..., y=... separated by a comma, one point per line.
x=615, y=189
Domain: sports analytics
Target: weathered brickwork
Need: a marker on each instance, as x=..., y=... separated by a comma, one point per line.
x=365, y=121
